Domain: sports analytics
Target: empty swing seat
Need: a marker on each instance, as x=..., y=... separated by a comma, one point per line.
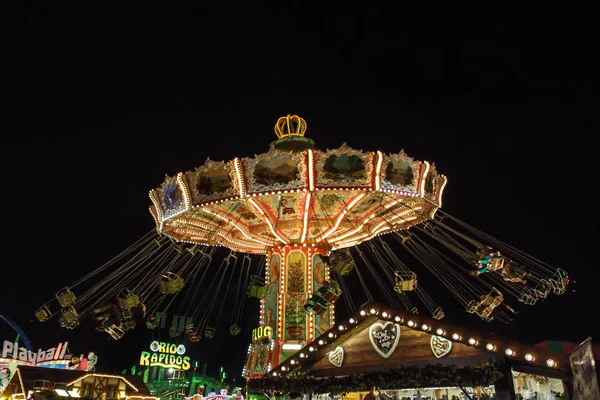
x=209, y=333
x=257, y=287
x=69, y=318
x=42, y=314
x=341, y=261
x=234, y=330
x=65, y=297
x=405, y=281
x=171, y=283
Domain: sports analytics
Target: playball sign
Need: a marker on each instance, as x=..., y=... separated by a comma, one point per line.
x=166, y=355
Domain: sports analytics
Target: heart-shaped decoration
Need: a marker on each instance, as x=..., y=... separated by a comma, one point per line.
x=336, y=356
x=384, y=337
x=440, y=346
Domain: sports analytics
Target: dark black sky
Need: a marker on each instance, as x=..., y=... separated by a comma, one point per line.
x=101, y=101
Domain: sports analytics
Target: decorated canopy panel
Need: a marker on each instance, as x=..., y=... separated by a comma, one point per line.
x=333, y=199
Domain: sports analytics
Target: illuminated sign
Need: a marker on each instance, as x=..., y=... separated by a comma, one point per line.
x=262, y=332
x=166, y=355
x=16, y=352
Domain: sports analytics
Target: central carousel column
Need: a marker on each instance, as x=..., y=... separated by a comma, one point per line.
x=293, y=274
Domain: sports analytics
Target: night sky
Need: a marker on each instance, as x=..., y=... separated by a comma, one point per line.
x=102, y=101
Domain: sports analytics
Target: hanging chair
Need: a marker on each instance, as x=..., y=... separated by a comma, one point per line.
x=209, y=333
x=65, y=297
x=341, y=261
x=560, y=281
x=69, y=318
x=528, y=296
x=128, y=300
x=43, y=314
x=438, y=313
x=152, y=322
x=171, y=283
x=405, y=281
x=234, y=330
x=257, y=287
x=324, y=296
x=173, y=332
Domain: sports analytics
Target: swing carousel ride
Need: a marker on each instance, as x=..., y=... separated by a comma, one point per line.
x=292, y=227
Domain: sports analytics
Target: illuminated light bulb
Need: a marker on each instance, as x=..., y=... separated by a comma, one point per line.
x=425, y=327
x=351, y=320
x=398, y=319
x=341, y=327
x=330, y=334
x=472, y=341
x=274, y=373
x=456, y=336
x=373, y=311
x=440, y=332
x=293, y=362
x=490, y=347
x=311, y=348
x=509, y=352
x=551, y=363
x=283, y=368
x=529, y=357
x=321, y=342
x=302, y=355
x=411, y=323
x=385, y=315
x=363, y=313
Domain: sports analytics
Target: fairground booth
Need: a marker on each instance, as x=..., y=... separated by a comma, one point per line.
x=406, y=356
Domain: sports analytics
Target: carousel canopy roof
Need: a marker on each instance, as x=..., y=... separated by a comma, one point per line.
x=293, y=194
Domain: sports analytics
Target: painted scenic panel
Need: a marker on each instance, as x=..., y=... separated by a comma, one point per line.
x=295, y=317
x=276, y=170
x=367, y=205
x=400, y=171
x=212, y=181
x=344, y=167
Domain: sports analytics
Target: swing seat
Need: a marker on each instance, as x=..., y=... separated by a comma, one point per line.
x=171, y=283
x=256, y=291
x=152, y=322
x=257, y=287
x=341, y=261
x=42, y=314
x=528, y=297
x=69, y=318
x=543, y=289
x=116, y=332
x=234, y=330
x=173, y=332
x=194, y=338
x=128, y=300
x=405, y=281
x=496, y=263
x=209, y=333
x=471, y=307
x=560, y=282
x=438, y=313
x=65, y=297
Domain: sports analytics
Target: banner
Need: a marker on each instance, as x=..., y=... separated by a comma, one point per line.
x=585, y=380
